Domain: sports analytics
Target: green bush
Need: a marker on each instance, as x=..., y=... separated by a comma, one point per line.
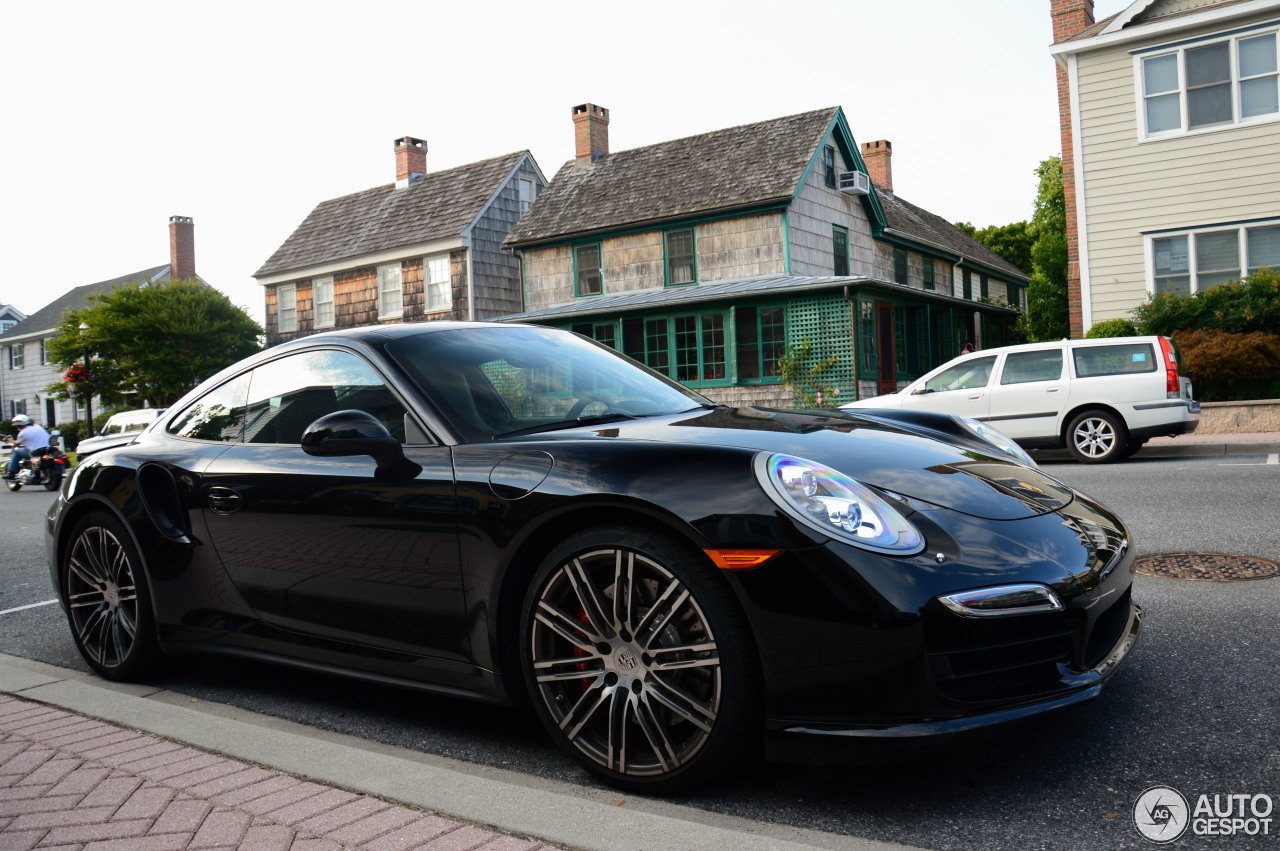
x=1229, y=367
x=1241, y=307
x=73, y=431
x=1112, y=328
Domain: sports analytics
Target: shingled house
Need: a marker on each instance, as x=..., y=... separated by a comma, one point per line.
x=428, y=246
x=26, y=370
x=704, y=257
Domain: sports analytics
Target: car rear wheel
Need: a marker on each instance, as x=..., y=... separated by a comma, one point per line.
x=1097, y=437
x=639, y=662
x=108, y=602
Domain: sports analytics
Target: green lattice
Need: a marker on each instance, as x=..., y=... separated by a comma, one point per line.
x=826, y=321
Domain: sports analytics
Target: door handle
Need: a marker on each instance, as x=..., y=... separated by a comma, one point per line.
x=976, y=396
x=1052, y=389
x=223, y=500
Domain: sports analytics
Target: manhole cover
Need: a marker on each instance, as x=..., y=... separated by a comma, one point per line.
x=1210, y=567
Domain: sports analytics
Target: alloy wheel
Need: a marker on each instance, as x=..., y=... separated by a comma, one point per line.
x=1094, y=437
x=102, y=597
x=625, y=662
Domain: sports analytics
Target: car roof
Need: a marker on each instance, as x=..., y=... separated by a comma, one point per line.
x=1031, y=347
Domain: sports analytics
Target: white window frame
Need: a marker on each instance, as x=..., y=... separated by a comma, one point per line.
x=527, y=192
x=1242, y=248
x=287, y=308
x=1139, y=85
x=17, y=355
x=431, y=267
x=321, y=295
x=44, y=352
x=390, y=291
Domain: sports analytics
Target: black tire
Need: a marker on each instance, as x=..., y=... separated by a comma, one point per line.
x=1133, y=446
x=654, y=689
x=108, y=600
x=54, y=480
x=1097, y=437
x=12, y=485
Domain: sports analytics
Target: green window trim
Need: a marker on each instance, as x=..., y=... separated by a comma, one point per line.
x=926, y=270
x=829, y=166
x=968, y=286
x=901, y=273
x=685, y=264
x=983, y=287
x=840, y=250
x=760, y=340
x=583, y=271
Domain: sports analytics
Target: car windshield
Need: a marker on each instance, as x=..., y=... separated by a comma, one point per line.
x=492, y=382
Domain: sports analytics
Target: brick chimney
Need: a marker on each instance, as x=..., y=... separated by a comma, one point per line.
x=182, y=247
x=590, y=132
x=1069, y=18
x=411, y=160
x=879, y=159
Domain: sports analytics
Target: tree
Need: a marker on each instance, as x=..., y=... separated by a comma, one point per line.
x=152, y=342
x=1039, y=247
x=1047, y=311
x=1013, y=241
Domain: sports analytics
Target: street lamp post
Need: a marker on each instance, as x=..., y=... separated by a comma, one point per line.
x=88, y=396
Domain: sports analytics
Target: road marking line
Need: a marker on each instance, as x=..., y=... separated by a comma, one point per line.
x=1273, y=458
x=30, y=606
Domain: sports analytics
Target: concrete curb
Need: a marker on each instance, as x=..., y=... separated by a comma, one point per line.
x=1177, y=450
x=560, y=813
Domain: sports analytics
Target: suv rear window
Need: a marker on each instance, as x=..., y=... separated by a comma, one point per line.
x=1114, y=360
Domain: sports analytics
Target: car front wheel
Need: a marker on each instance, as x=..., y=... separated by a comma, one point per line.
x=639, y=662
x=1097, y=437
x=108, y=604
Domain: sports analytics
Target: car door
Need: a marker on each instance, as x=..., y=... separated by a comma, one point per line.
x=1029, y=394
x=328, y=546
x=959, y=389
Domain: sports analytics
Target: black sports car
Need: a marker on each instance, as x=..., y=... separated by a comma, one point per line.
x=518, y=514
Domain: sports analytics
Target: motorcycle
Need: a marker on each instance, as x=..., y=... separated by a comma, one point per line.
x=45, y=466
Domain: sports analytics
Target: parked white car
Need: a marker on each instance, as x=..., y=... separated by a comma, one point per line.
x=1102, y=399
x=119, y=429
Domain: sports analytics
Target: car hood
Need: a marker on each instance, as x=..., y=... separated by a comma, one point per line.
x=877, y=453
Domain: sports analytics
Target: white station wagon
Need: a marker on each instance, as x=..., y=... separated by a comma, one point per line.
x=1102, y=399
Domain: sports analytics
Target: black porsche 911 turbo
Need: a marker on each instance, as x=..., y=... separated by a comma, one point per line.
x=520, y=515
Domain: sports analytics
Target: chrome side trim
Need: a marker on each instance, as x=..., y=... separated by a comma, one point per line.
x=968, y=604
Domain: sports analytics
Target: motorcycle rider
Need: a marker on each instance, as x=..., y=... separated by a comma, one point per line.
x=31, y=436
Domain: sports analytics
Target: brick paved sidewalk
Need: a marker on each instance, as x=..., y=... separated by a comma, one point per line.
x=70, y=782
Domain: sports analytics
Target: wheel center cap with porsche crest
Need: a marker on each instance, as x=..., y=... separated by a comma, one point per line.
x=626, y=660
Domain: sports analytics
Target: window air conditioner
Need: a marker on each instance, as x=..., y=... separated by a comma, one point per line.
x=855, y=183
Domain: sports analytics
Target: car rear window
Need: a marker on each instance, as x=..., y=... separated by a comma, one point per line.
x=1022, y=367
x=1114, y=360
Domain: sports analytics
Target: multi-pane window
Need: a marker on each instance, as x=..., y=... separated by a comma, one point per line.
x=1200, y=260
x=287, y=305
x=681, y=261
x=840, y=249
x=983, y=287
x=900, y=266
x=438, y=287
x=17, y=355
x=867, y=361
x=760, y=336
x=527, y=193
x=322, y=301
x=390, y=291
x=656, y=355
x=968, y=285
x=1224, y=82
x=829, y=166
x=588, y=277
x=926, y=273
x=44, y=352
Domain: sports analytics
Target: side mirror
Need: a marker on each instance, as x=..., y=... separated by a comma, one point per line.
x=56, y=433
x=919, y=391
x=344, y=433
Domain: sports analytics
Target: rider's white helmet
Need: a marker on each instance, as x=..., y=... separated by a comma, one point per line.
x=21, y=420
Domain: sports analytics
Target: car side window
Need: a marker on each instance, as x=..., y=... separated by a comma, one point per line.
x=1114, y=360
x=1025, y=367
x=289, y=394
x=963, y=376
x=218, y=415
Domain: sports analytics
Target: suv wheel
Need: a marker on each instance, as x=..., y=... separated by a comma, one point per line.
x=1097, y=437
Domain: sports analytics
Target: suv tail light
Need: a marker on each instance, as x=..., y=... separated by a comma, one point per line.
x=1173, y=385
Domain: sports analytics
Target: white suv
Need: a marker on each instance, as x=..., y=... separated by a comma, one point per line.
x=1102, y=398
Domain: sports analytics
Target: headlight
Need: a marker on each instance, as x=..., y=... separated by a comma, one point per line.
x=836, y=505
x=997, y=438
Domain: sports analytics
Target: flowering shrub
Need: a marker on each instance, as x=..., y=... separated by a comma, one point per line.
x=1229, y=367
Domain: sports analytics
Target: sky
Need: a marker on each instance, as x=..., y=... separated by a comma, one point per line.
x=245, y=115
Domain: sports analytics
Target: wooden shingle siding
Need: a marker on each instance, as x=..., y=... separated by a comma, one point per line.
x=632, y=262
x=1173, y=7
x=814, y=211
x=413, y=295
x=497, y=270
x=1183, y=181
x=548, y=276
x=458, y=284
x=355, y=297
x=740, y=247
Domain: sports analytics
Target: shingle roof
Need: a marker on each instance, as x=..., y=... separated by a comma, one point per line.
x=50, y=315
x=913, y=221
x=720, y=291
x=737, y=167
x=437, y=205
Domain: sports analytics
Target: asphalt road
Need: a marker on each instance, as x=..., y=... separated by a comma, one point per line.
x=1196, y=707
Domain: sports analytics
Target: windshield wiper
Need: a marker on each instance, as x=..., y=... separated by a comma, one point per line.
x=598, y=419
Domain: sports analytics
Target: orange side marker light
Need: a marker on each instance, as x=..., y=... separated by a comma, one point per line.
x=740, y=559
